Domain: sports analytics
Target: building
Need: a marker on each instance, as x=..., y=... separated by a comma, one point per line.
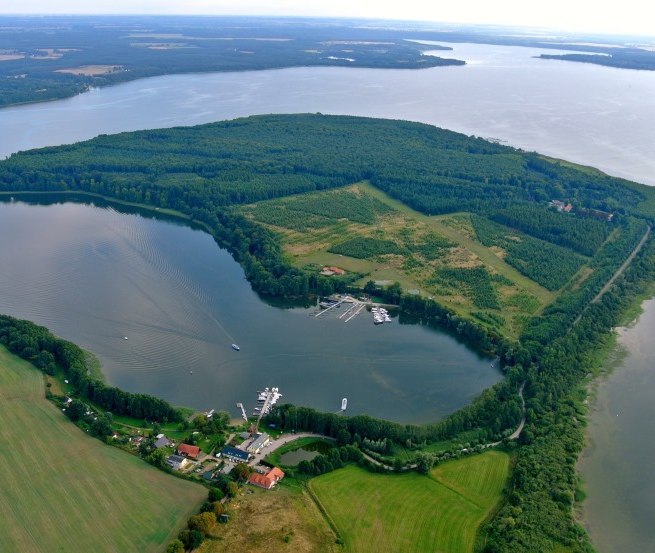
x=176, y=462
x=561, y=206
x=268, y=480
x=329, y=271
x=233, y=454
x=162, y=441
x=258, y=443
x=275, y=474
x=191, y=451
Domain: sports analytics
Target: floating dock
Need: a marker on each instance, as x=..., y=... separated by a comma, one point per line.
x=266, y=399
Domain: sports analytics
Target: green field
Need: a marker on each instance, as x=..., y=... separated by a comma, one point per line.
x=410, y=512
x=65, y=491
x=363, y=230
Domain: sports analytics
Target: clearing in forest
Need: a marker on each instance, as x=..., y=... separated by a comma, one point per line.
x=361, y=229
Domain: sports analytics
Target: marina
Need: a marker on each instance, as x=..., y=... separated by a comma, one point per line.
x=354, y=307
x=266, y=399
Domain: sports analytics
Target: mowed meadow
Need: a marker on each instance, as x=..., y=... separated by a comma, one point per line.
x=411, y=512
x=65, y=491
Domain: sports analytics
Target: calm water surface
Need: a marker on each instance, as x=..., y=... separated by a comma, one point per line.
x=95, y=275
x=618, y=463
x=594, y=115
x=180, y=305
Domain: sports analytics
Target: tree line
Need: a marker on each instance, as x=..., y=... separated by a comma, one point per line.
x=46, y=351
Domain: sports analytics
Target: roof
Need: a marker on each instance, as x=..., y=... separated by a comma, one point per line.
x=161, y=442
x=275, y=474
x=188, y=450
x=259, y=441
x=261, y=480
x=234, y=452
x=176, y=459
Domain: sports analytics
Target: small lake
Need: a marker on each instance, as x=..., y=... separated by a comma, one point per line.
x=305, y=453
x=95, y=276
x=618, y=463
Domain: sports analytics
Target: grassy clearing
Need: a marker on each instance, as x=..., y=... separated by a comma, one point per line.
x=410, y=512
x=347, y=228
x=283, y=519
x=64, y=491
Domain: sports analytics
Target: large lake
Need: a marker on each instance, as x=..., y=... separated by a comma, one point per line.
x=95, y=276
x=593, y=115
x=585, y=113
x=618, y=464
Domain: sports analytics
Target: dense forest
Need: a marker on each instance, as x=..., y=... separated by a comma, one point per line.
x=204, y=171
x=51, y=57
x=626, y=58
x=61, y=56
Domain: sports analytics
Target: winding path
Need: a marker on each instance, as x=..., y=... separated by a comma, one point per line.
x=286, y=438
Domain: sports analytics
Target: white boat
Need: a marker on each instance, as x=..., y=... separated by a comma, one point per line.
x=235, y=347
x=124, y=337
x=344, y=403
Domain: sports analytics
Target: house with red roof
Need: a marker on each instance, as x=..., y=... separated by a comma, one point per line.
x=190, y=451
x=268, y=480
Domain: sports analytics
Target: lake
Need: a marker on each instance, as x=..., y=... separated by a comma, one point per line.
x=95, y=276
x=590, y=114
x=581, y=112
x=617, y=465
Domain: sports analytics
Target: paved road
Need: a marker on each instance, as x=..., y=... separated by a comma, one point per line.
x=282, y=440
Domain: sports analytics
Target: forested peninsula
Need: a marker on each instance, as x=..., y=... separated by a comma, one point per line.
x=51, y=57
x=209, y=172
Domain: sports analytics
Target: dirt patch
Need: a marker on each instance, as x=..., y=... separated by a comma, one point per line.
x=500, y=252
x=463, y=258
x=279, y=520
x=91, y=70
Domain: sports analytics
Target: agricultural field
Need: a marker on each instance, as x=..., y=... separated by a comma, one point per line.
x=283, y=519
x=474, y=266
x=65, y=491
x=411, y=512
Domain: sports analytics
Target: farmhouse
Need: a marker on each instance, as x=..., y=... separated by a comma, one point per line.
x=329, y=271
x=176, y=462
x=234, y=454
x=187, y=450
x=268, y=480
x=258, y=443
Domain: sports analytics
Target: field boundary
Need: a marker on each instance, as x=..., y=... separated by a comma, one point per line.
x=324, y=512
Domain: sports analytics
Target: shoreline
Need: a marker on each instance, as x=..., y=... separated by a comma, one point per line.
x=597, y=399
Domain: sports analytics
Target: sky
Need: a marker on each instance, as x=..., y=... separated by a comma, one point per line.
x=631, y=17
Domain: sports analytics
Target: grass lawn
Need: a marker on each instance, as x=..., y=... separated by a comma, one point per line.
x=65, y=491
x=410, y=512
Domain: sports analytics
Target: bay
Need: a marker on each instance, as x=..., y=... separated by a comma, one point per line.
x=96, y=276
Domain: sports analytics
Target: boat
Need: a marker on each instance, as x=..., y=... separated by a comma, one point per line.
x=124, y=337
x=235, y=347
x=344, y=403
